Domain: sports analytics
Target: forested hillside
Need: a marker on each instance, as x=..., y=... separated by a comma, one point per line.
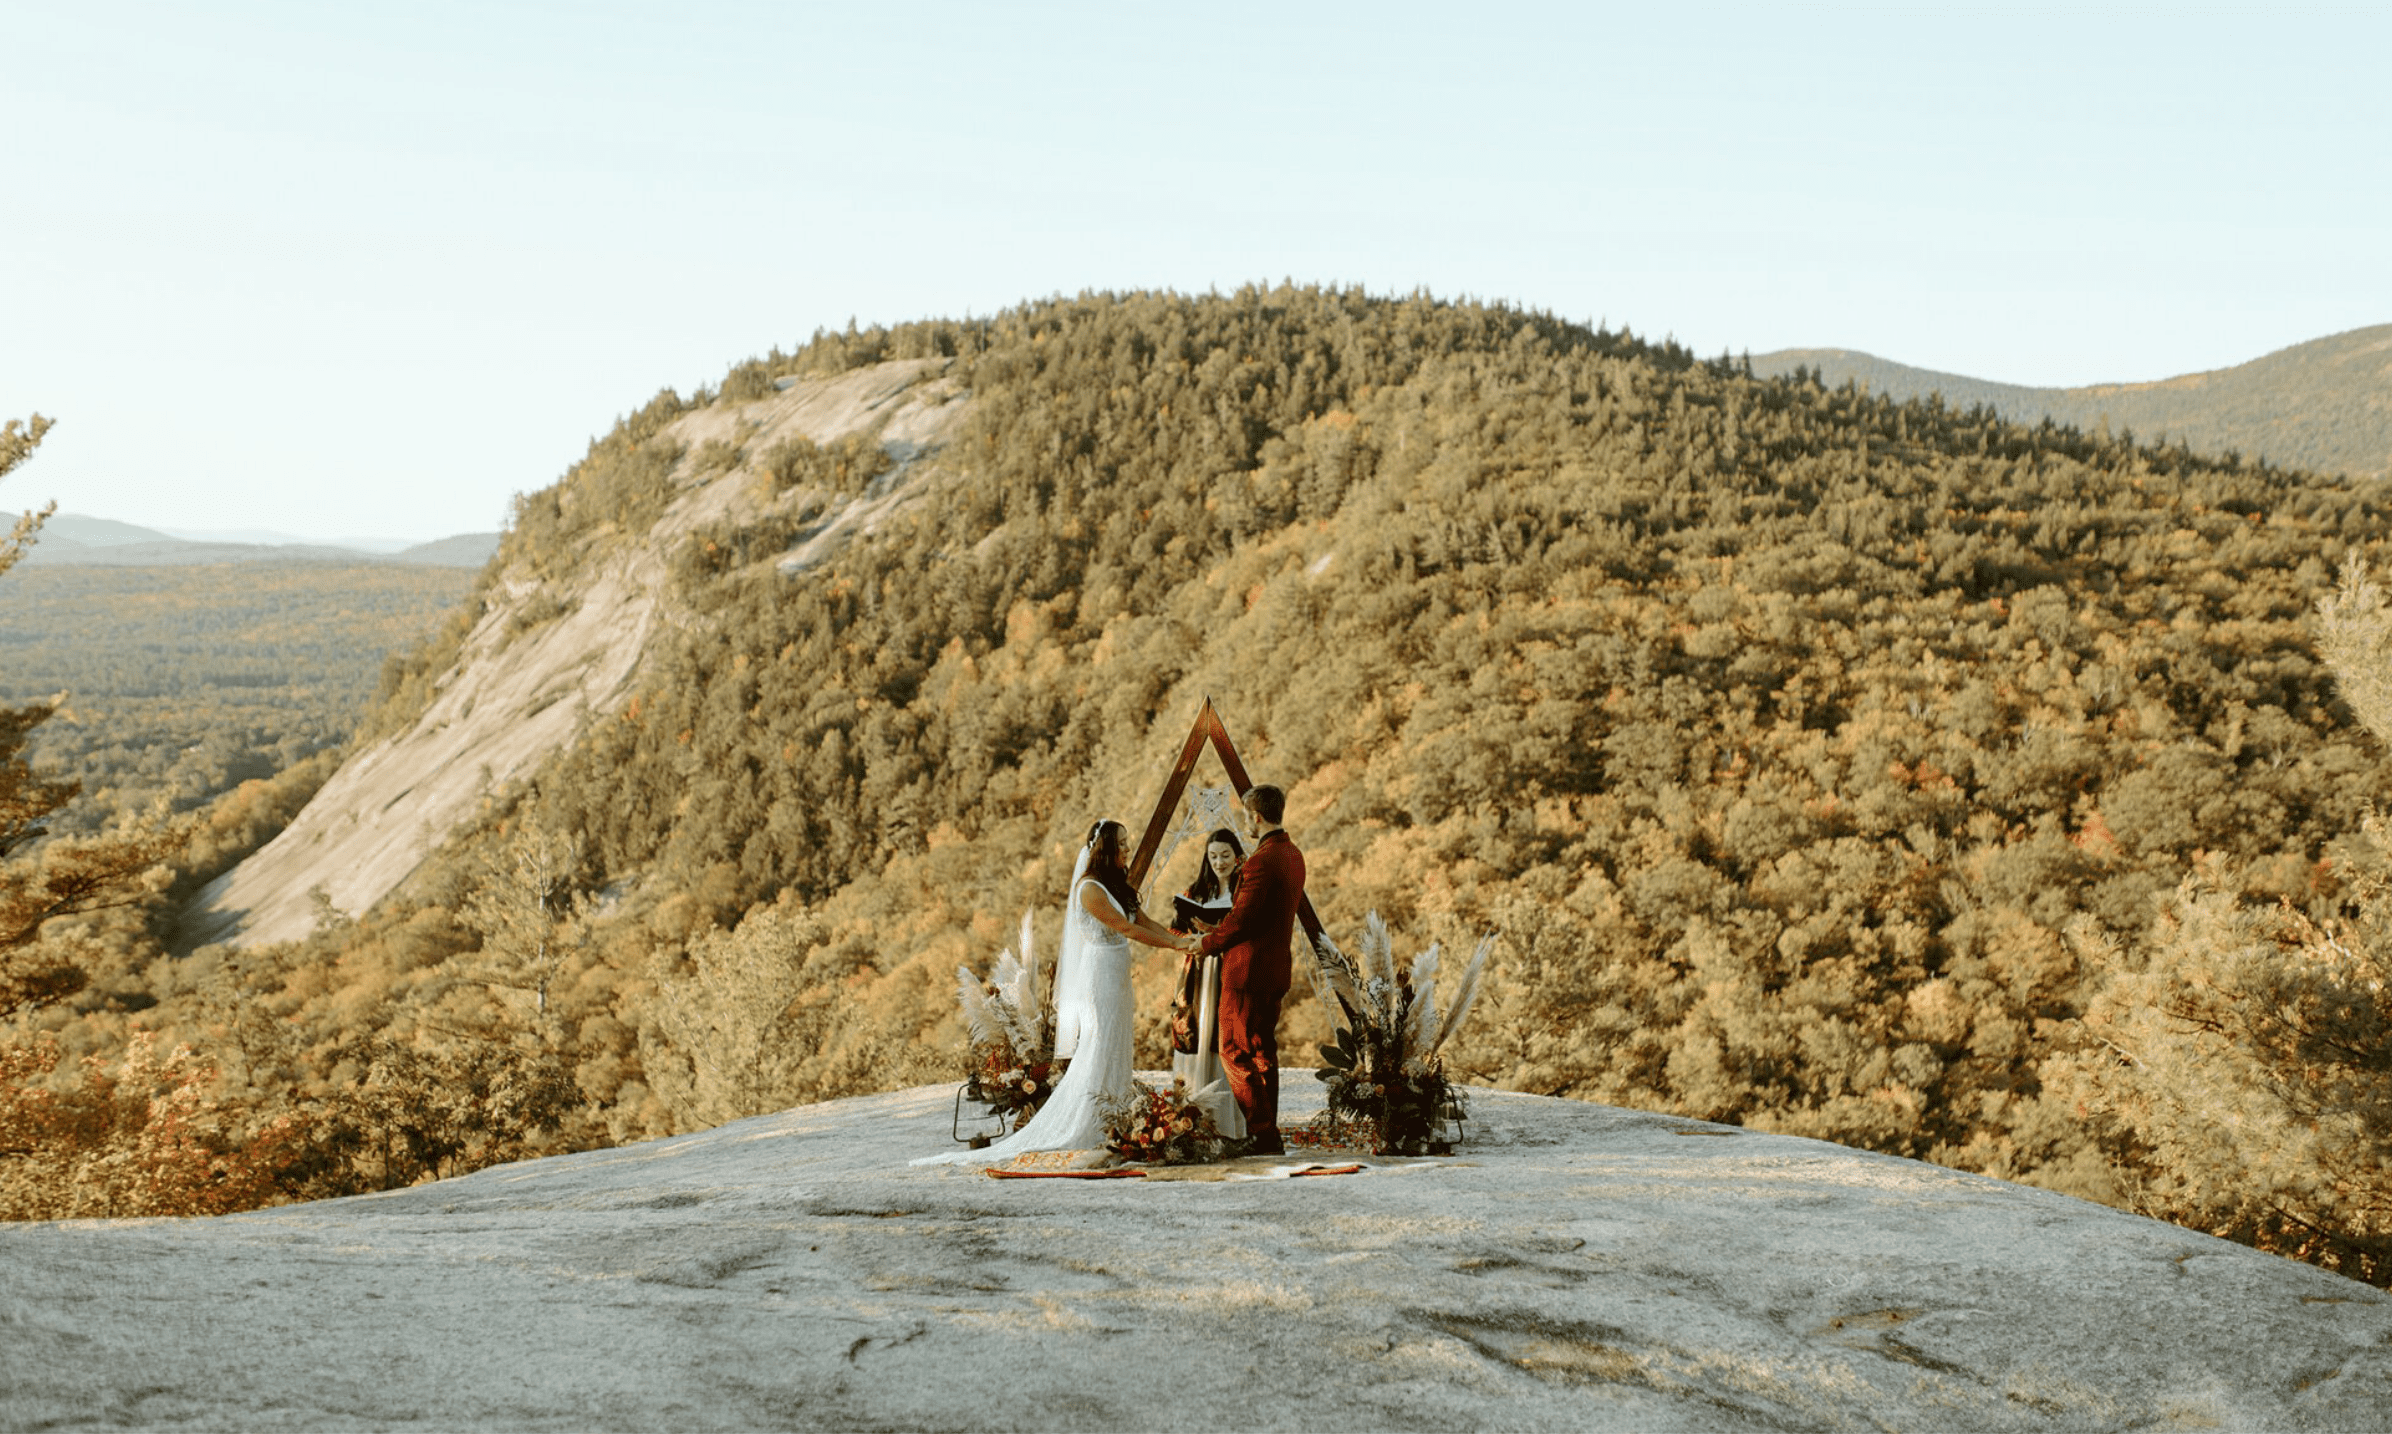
x=2325, y=404
x=1822, y=758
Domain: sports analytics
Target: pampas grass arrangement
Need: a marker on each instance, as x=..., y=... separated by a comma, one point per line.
x=1012, y=1069
x=1383, y=1067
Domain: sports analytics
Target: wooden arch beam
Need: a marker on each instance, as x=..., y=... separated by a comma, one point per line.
x=1208, y=729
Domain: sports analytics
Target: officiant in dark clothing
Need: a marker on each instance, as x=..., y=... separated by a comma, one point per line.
x=1208, y=897
x=1199, y=909
x=1254, y=943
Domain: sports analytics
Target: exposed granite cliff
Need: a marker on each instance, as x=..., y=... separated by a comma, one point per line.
x=527, y=680
x=1575, y=1267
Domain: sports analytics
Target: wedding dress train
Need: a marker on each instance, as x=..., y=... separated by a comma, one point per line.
x=1093, y=1026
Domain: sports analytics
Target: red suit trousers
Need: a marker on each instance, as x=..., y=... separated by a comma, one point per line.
x=1250, y=1054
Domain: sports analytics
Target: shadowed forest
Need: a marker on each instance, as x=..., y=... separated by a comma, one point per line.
x=1880, y=772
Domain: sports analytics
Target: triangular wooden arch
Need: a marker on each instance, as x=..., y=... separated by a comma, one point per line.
x=1208, y=728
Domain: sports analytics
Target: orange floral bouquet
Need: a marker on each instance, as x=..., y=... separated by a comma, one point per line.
x=1010, y=1086
x=1163, y=1127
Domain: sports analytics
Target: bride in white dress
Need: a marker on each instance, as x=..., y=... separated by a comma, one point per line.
x=1093, y=1010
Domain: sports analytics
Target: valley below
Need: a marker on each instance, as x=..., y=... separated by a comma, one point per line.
x=184, y=681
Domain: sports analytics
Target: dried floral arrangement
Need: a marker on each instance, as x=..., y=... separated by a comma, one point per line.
x=1012, y=1069
x=1383, y=1071
x=1163, y=1126
x=1329, y=1133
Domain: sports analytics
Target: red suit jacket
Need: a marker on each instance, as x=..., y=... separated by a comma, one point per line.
x=1255, y=938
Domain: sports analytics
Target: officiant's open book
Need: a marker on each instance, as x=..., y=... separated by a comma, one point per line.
x=1189, y=913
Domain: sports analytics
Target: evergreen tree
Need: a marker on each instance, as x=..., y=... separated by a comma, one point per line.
x=40, y=882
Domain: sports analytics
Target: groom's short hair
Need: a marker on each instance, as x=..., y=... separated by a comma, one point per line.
x=1266, y=802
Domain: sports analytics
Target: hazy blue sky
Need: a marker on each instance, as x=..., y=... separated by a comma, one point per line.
x=344, y=269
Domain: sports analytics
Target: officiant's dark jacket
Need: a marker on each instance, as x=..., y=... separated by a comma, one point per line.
x=1253, y=940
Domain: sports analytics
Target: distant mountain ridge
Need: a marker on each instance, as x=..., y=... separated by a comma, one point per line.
x=78, y=538
x=99, y=532
x=2324, y=405
x=274, y=538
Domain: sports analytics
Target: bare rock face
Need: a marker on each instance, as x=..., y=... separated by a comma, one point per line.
x=541, y=660
x=1575, y=1267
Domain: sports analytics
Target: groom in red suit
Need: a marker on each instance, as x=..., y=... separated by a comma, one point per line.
x=1253, y=944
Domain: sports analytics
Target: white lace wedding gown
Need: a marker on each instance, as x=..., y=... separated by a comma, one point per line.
x=1093, y=1014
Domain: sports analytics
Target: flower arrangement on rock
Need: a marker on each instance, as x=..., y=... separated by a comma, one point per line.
x=1159, y=1126
x=1012, y=1068
x=1383, y=1069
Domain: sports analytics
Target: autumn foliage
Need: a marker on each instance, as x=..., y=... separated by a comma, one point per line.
x=142, y=1136
x=1831, y=765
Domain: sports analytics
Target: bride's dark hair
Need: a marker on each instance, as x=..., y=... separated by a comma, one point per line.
x=1207, y=886
x=1108, y=867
